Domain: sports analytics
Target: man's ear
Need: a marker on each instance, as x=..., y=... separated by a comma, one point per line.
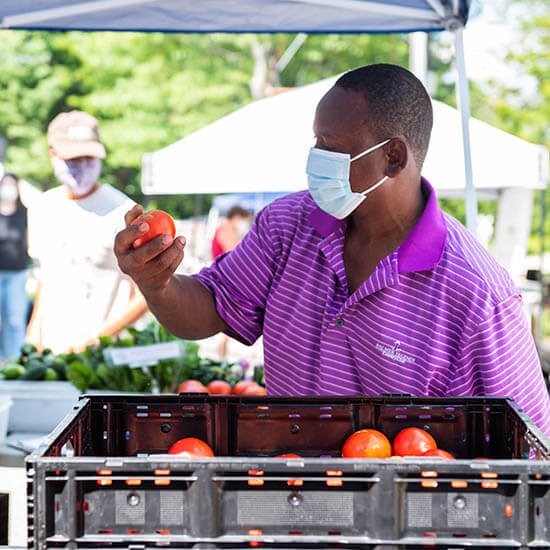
x=397, y=156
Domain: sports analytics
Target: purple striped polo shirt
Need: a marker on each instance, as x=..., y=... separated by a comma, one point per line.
x=437, y=317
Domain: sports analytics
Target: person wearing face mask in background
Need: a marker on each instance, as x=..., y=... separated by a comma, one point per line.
x=14, y=303
x=82, y=294
x=361, y=285
x=227, y=236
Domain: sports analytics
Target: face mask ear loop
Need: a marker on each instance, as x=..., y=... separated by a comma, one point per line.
x=367, y=191
x=370, y=149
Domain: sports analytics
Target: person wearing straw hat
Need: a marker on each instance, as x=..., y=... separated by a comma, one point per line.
x=82, y=294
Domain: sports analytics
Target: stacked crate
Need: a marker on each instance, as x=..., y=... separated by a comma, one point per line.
x=104, y=480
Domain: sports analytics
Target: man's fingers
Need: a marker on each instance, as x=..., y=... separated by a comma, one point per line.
x=159, y=255
x=132, y=214
x=166, y=273
x=157, y=272
x=152, y=257
x=126, y=237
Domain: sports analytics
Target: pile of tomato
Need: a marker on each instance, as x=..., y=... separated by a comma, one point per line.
x=408, y=442
x=367, y=443
x=221, y=387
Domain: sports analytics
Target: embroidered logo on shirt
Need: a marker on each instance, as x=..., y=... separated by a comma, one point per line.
x=393, y=352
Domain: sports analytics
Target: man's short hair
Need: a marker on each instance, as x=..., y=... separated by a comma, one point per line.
x=237, y=211
x=398, y=105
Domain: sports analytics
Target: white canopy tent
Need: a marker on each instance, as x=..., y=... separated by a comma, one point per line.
x=325, y=16
x=263, y=147
x=262, y=16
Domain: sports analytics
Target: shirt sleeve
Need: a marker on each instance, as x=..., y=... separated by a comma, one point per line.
x=499, y=358
x=240, y=280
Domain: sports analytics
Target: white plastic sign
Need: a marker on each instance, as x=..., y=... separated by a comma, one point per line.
x=140, y=356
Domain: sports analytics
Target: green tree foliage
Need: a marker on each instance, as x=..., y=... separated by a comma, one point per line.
x=529, y=116
x=322, y=56
x=148, y=90
x=510, y=107
x=443, y=79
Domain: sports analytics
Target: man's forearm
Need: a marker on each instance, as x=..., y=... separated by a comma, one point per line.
x=186, y=308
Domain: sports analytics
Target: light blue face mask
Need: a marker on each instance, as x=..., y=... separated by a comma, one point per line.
x=328, y=180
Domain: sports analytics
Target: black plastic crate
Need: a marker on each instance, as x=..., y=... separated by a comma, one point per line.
x=103, y=480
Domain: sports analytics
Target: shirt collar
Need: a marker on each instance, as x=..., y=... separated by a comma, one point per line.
x=423, y=247
x=324, y=223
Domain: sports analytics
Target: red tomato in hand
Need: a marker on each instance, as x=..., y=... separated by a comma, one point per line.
x=219, y=387
x=192, y=386
x=367, y=444
x=191, y=447
x=288, y=455
x=159, y=222
x=439, y=453
x=413, y=442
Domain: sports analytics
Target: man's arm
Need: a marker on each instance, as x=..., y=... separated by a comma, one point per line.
x=182, y=304
x=187, y=309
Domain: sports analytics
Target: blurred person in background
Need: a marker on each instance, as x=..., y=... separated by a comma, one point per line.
x=227, y=236
x=14, y=261
x=230, y=233
x=82, y=294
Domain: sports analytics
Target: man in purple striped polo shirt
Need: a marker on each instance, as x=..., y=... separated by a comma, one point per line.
x=357, y=294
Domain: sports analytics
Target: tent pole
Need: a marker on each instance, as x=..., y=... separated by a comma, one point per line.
x=290, y=52
x=542, y=229
x=463, y=101
x=418, y=56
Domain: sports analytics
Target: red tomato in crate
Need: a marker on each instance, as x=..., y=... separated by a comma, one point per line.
x=191, y=447
x=192, y=386
x=219, y=387
x=159, y=222
x=439, y=453
x=367, y=444
x=288, y=455
x=413, y=442
x=241, y=386
x=254, y=389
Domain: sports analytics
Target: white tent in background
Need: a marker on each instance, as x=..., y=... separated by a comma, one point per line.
x=263, y=147
x=327, y=16
x=263, y=16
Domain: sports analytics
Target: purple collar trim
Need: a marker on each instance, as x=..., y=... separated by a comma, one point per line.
x=423, y=247
x=324, y=223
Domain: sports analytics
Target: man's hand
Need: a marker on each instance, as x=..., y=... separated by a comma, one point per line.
x=151, y=265
x=182, y=304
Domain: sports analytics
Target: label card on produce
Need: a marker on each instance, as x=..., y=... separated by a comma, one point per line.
x=141, y=356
